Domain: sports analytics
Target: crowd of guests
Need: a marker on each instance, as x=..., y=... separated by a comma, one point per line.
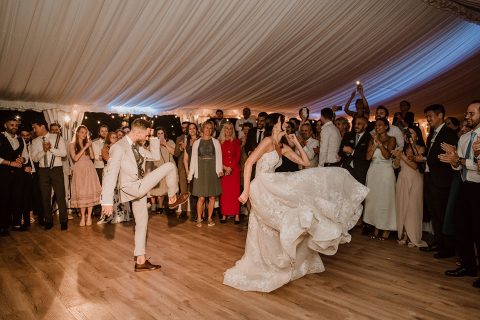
x=411, y=181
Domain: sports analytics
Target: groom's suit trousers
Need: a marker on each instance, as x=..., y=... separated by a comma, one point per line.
x=167, y=171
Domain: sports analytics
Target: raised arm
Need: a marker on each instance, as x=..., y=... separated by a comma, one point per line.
x=387, y=151
x=76, y=156
x=111, y=174
x=347, y=105
x=170, y=145
x=366, y=108
x=371, y=148
x=288, y=152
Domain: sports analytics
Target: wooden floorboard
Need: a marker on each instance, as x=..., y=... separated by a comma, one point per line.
x=87, y=273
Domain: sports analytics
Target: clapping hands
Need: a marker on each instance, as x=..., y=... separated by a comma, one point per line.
x=476, y=147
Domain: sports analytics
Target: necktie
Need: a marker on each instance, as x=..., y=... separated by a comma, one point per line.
x=139, y=159
x=468, y=152
x=260, y=136
x=45, y=159
x=357, y=138
x=432, y=141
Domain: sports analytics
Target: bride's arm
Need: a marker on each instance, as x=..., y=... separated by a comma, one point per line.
x=262, y=148
x=288, y=152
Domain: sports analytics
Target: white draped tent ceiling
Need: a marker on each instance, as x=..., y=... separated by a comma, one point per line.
x=191, y=57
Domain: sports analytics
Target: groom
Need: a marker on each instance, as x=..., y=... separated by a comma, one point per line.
x=127, y=163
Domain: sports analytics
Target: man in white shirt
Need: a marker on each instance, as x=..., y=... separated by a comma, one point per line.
x=330, y=139
x=465, y=159
x=394, y=131
x=246, y=118
x=67, y=162
x=48, y=150
x=309, y=144
x=97, y=146
x=13, y=156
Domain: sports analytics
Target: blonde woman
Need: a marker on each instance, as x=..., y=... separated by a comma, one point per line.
x=231, y=167
x=205, y=171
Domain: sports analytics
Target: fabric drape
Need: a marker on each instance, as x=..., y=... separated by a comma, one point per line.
x=271, y=55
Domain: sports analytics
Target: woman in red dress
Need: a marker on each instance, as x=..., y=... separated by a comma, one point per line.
x=231, y=179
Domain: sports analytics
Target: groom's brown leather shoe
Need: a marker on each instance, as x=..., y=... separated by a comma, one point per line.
x=181, y=199
x=147, y=266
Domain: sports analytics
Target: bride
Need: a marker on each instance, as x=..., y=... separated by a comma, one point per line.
x=294, y=215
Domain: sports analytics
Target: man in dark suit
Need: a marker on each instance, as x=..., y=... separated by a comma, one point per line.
x=437, y=179
x=13, y=156
x=353, y=150
x=257, y=134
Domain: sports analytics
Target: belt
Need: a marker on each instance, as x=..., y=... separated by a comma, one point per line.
x=332, y=164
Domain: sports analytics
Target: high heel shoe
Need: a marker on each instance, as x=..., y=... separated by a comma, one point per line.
x=211, y=223
x=199, y=223
x=82, y=222
x=89, y=221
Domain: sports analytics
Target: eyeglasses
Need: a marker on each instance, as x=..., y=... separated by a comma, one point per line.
x=469, y=114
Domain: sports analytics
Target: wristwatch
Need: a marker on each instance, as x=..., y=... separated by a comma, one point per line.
x=459, y=161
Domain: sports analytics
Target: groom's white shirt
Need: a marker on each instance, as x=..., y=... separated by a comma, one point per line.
x=123, y=166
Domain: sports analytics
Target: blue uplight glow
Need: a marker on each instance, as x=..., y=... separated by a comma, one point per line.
x=435, y=57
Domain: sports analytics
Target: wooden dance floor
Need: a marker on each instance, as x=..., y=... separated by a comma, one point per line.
x=87, y=273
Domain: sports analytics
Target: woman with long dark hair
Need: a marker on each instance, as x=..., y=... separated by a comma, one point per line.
x=380, y=209
x=85, y=188
x=409, y=192
x=294, y=215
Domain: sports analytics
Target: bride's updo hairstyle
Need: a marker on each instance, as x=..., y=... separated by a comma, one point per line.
x=271, y=121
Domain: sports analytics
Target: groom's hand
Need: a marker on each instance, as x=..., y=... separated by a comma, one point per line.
x=107, y=210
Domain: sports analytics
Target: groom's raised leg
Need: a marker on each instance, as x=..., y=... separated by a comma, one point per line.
x=166, y=171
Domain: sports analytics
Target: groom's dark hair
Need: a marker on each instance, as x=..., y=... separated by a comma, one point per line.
x=140, y=123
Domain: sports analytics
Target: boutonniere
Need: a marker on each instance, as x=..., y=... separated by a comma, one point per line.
x=351, y=141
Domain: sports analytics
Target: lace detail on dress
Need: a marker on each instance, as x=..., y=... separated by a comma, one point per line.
x=294, y=216
x=268, y=162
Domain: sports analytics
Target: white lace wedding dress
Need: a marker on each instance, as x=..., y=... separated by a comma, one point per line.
x=294, y=216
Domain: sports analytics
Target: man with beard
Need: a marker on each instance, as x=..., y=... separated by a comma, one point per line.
x=437, y=179
x=13, y=156
x=48, y=150
x=309, y=144
x=353, y=150
x=465, y=158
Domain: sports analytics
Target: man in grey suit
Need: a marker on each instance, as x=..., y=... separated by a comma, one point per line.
x=127, y=164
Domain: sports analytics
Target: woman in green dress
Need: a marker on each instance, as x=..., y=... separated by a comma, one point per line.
x=205, y=171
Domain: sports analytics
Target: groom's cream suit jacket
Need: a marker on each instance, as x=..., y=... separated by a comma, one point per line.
x=122, y=166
